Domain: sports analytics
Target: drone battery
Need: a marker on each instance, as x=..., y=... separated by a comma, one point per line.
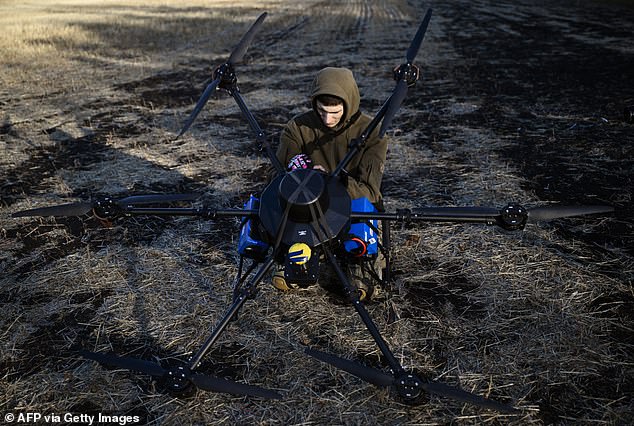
x=250, y=243
x=362, y=239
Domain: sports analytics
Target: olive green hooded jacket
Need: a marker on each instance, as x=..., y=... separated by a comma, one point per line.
x=306, y=134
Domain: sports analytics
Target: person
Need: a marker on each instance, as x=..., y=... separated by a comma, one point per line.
x=320, y=138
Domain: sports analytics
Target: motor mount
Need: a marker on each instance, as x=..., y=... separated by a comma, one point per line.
x=177, y=380
x=106, y=208
x=409, y=387
x=408, y=73
x=513, y=217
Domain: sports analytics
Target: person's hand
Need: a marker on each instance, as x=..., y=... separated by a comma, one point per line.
x=320, y=168
x=300, y=161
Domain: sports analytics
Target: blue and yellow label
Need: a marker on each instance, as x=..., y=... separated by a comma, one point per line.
x=299, y=253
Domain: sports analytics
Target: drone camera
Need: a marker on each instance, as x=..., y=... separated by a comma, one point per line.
x=250, y=243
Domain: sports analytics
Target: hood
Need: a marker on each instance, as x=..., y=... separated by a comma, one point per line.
x=337, y=82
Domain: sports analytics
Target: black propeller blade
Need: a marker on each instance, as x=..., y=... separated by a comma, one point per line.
x=215, y=384
x=107, y=203
x=370, y=375
x=179, y=378
x=414, y=47
x=515, y=216
x=559, y=212
x=224, y=71
x=462, y=395
x=380, y=378
x=132, y=364
x=239, y=51
x=72, y=209
x=406, y=74
x=199, y=105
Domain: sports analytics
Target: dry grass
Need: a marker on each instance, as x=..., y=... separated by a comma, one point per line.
x=93, y=93
x=40, y=37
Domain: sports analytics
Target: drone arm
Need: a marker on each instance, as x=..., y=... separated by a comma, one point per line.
x=359, y=142
x=259, y=133
x=365, y=316
x=247, y=292
x=203, y=212
x=406, y=75
x=487, y=216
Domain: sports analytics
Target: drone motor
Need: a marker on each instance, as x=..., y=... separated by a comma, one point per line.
x=105, y=209
x=513, y=217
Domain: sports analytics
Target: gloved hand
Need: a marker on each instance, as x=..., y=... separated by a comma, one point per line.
x=300, y=161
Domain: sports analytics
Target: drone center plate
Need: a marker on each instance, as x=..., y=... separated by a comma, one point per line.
x=316, y=206
x=304, y=193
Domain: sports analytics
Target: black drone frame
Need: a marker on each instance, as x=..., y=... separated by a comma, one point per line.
x=308, y=206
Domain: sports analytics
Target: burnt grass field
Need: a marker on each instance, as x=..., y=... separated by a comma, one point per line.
x=522, y=101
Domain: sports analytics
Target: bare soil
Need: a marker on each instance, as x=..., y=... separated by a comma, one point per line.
x=521, y=101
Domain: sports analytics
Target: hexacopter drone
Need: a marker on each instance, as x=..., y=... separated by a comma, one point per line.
x=303, y=217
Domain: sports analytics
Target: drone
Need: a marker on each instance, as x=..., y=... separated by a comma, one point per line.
x=302, y=218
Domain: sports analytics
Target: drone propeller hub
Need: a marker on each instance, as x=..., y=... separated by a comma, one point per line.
x=408, y=73
x=513, y=217
x=105, y=208
x=178, y=380
x=226, y=76
x=409, y=387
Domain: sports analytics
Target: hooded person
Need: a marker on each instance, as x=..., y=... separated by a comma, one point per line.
x=321, y=137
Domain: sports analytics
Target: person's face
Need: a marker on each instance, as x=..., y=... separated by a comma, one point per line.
x=330, y=114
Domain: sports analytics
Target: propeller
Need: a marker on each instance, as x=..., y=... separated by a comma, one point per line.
x=462, y=395
x=225, y=71
x=397, y=98
x=406, y=384
x=104, y=207
x=514, y=216
x=558, y=212
x=406, y=74
x=370, y=375
x=214, y=384
x=72, y=209
x=243, y=45
x=133, y=364
x=179, y=378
